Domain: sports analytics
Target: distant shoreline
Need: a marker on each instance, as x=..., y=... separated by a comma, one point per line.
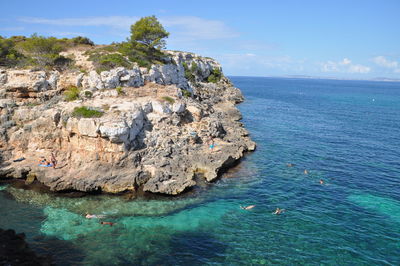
x=321, y=78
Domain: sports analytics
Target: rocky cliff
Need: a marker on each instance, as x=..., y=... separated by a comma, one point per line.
x=147, y=129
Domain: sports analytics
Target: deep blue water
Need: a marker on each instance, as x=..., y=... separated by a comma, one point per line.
x=344, y=132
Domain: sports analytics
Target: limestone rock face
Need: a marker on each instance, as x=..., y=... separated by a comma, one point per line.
x=88, y=127
x=123, y=129
x=152, y=133
x=132, y=78
x=94, y=80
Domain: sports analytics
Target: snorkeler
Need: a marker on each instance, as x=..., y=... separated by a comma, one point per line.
x=278, y=211
x=247, y=207
x=95, y=216
x=109, y=223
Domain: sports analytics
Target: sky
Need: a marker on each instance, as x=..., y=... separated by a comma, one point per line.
x=356, y=39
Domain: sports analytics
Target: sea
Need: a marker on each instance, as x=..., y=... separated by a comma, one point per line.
x=328, y=153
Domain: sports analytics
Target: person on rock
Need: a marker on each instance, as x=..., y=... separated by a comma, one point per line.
x=211, y=143
x=53, y=160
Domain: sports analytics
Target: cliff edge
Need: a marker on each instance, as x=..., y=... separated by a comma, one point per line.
x=127, y=128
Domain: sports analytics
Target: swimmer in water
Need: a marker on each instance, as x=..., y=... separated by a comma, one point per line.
x=94, y=216
x=107, y=223
x=305, y=172
x=321, y=182
x=289, y=165
x=247, y=207
x=278, y=211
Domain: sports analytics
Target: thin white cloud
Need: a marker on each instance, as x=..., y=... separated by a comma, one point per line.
x=383, y=62
x=183, y=27
x=344, y=66
x=66, y=33
x=386, y=63
x=359, y=69
x=12, y=28
x=111, y=21
x=198, y=28
x=258, y=63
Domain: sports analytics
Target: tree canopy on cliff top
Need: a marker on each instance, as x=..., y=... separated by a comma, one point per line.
x=148, y=31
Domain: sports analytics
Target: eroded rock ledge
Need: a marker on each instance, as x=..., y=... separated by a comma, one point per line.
x=153, y=133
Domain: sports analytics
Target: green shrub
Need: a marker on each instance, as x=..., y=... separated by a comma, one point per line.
x=82, y=40
x=9, y=56
x=86, y=112
x=141, y=54
x=71, y=94
x=186, y=93
x=194, y=68
x=188, y=72
x=88, y=94
x=168, y=99
x=215, y=75
x=104, y=61
x=44, y=51
x=119, y=90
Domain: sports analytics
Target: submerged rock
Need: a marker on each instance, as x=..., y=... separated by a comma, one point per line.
x=15, y=251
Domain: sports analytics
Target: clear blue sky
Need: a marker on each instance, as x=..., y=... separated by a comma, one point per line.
x=349, y=39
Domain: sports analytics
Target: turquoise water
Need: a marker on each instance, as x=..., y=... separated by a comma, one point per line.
x=344, y=132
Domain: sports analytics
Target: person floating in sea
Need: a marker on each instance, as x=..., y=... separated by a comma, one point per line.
x=94, y=216
x=278, y=211
x=107, y=223
x=321, y=182
x=305, y=172
x=289, y=164
x=53, y=160
x=247, y=207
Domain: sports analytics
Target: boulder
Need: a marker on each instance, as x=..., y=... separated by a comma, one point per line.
x=132, y=78
x=178, y=107
x=122, y=129
x=87, y=127
x=94, y=80
x=160, y=107
x=196, y=112
x=111, y=78
x=53, y=79
x=3, y=77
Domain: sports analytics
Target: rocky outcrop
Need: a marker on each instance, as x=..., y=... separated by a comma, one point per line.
x=15, y=251
x=153, y=133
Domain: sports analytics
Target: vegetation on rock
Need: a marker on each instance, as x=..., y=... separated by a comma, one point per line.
x=9, y=56
x=168, y=99
x=190, y=72
x=119, y=90
x=37, y=51
x=186, y=93
x=86, y=112
x=71, y=94
x=106, y=61
x=215, y=75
